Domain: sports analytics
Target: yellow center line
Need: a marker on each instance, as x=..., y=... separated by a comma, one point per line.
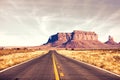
x=61, y=74
x=55, y=68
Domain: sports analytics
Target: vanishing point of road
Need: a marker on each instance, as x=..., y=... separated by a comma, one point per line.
x=53, y=66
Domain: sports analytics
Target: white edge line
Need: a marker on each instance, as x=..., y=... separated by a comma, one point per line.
x=98, y=68
x=94, y=66
x=20, y=63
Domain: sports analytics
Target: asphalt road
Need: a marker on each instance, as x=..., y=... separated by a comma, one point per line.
x=37, y=69
x=48, y=66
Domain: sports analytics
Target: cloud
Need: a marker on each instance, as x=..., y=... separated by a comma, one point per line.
x=24, y=22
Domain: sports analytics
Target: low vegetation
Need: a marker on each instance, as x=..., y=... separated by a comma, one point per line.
x=106, y=59
x=14, y=50
x=11, y=57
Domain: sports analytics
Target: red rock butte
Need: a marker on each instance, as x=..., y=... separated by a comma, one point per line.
x=83, y=35
x=77, y=39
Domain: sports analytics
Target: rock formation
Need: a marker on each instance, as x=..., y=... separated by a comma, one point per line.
x=111, y=41
x=82, y=35
x=79, y=40
x=76, y=39
x=75, y=35
x=59, y=39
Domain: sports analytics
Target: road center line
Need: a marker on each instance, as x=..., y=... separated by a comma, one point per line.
x=61, y=74
x=55, y=68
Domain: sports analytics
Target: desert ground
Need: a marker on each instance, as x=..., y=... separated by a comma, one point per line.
x=106, y=59
x=10, y=57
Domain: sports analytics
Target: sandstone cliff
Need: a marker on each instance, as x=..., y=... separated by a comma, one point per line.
x=75, y=35
x=76, y=39
x=59, y=39
x=83, y=35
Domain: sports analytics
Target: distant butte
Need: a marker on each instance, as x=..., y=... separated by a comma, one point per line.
x=111, y=41
x=112, y=44
x=79, y=40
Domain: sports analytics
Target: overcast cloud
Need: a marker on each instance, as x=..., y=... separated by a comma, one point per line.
x=31, y=22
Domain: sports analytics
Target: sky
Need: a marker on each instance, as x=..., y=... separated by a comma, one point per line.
x=31, y=22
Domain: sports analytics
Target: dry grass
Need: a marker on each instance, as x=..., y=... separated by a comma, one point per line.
x=15, y=58
x=14, y=50
x=107, y=59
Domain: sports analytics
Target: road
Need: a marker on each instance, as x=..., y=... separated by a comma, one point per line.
x=53, y=66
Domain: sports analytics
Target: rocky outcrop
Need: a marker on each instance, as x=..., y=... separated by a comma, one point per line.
x=83, y=35
x=111, y=41
x=59, y=39
x=79, y=40
x=76, y=39
x=75, y=35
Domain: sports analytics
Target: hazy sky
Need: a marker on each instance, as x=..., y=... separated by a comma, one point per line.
x=31, y=22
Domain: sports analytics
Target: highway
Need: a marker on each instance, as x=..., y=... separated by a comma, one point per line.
x=53, y=66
